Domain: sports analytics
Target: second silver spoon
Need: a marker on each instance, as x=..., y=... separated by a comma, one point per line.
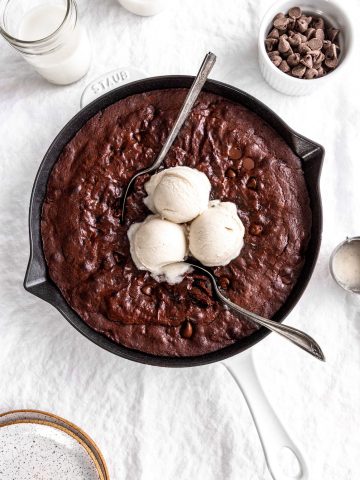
x=299, y=338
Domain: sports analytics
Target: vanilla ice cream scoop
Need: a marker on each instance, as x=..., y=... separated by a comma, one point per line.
x=217, y=235
x=178, y=194
x=160, y=247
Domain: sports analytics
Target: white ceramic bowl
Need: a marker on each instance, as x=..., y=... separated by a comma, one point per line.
x=145, y=8
x=334, y=14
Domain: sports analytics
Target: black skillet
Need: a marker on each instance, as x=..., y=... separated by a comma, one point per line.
x=37, y=280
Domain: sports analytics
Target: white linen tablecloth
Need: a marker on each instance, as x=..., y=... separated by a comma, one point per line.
x=154, y=423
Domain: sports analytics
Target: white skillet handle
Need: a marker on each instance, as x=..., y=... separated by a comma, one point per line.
x=275, y=441
x=109, y=81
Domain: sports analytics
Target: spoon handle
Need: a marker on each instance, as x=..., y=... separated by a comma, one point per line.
x=299, y=338
x=190, y=99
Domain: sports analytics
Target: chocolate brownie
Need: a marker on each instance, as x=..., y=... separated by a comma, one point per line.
x=87, y=250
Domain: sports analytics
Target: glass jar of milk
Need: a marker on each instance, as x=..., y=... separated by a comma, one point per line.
x=48, y=35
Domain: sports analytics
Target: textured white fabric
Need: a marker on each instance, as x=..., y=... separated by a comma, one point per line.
x=156, y=423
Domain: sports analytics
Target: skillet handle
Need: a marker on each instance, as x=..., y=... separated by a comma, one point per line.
x=109, y=81
x=283, y=458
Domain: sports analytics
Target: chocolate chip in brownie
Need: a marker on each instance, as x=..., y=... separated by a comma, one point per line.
x=235, y=153
x=230, y=173
x=252, y=183
x=146, y=290
x=248, y=163
x=186, y=329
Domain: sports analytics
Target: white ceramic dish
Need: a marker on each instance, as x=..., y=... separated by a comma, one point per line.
x=335, y=15
x=29, y=415
x=145, y=8
x=31, y=449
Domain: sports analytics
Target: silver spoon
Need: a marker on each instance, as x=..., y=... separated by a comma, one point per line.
x=189, y=101
x=295, y=336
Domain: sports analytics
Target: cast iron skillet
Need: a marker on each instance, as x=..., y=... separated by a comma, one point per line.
x=38, y=282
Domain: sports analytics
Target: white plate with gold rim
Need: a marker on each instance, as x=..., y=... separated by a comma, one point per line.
x=16, y=415
x=35, y=449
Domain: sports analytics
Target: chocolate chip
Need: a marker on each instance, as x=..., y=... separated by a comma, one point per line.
x=302, y=25
x=284, y=45
x=318, y=23
x=320, y=71
x=304, y=49
x=270, y=43
x=186, y=329
x=295, y=40
x=315, y=44
x=276, y=60
x=146, y=290
x=137, y=136
x=279, y=15
x=281, y=23
x=315, y=54
x=319, y=60
x=310, y=33
x=319, y=33
x=224, y=282
x=299, y=71
x=288, y=53
x=255, y=229
x=252, y=183
x=230, y=173
x=235, y=153
x=284, y=67
x=326, y=44
x=295, y=12
x=332, y=33
x=248, y=163
x=331, y=52
x=307, y=61
x=291, y=24
x=273, y=54
x=293, y=59
x=274, y=33
x=331, y=62
x=311, y=73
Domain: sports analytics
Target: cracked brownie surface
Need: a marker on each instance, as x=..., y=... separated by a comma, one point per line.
x=87, y=250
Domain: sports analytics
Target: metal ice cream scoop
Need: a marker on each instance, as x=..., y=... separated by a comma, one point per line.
x=299, y=338
x=190, y=99
x=345, y=264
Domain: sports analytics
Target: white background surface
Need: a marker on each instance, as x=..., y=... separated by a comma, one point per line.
x=182, y=424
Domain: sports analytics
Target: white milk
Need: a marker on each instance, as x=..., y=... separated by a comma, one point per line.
x=67, y=63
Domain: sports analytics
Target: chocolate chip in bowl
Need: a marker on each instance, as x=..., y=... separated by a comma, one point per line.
x=298, y=43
